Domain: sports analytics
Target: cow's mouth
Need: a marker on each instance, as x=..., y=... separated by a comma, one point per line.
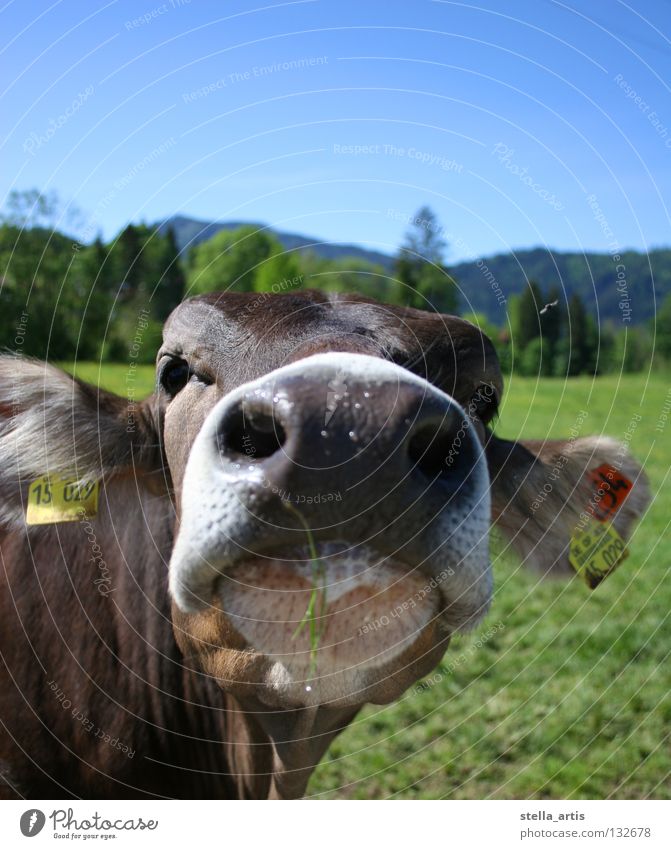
x=339, y=624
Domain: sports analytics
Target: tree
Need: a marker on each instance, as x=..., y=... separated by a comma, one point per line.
x=31, y=208
x=552, y=321
x=127, y=259
x=420, y=264
x=230, y=260
x=606, y=342
x=57, y=296
x=351, y=274
x=582, y=338
x=171, y=282
x=37, y=281
x=531, y=355
x=632, y=350
x=560, y=363
x=149, y=283
x=526, y=319
x=95, y=284
x=41, y=287
x=281, y=272
x=663, y=328
x=533, y=360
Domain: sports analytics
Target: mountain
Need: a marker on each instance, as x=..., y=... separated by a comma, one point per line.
x=191, y=231
x=612, y=289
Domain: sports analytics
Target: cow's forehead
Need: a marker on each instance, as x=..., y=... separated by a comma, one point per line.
x=243, y=335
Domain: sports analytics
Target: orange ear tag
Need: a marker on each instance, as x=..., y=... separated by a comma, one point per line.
x=597, y=548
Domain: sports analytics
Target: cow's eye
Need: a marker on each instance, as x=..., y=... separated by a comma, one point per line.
x=174, y=376
x=484, y=403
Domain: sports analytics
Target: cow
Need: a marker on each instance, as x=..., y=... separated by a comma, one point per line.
x=293, y=525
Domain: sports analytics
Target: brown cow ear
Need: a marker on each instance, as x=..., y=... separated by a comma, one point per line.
x=52, y=424
x=544, y=494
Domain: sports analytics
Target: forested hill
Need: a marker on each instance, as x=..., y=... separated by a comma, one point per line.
x=594, y=276
x=601, y=281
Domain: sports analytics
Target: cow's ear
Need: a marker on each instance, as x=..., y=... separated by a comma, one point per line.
x=543, y=492
x=52, y=424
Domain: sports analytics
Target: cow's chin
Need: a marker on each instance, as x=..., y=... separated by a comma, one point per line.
x=342, y=630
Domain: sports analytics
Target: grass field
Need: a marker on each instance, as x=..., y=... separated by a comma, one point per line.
x=568, y=694
x=117, y=377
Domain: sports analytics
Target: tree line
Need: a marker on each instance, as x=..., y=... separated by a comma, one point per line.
x=61, y=299
x=550, y=335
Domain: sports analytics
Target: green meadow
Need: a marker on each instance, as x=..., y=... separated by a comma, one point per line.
x=123, y=379
x=562, y=692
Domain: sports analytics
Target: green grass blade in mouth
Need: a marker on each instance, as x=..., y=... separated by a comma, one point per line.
x=313, y=617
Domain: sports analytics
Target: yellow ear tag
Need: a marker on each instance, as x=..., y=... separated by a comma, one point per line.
x=55, y=499
x=595, y=551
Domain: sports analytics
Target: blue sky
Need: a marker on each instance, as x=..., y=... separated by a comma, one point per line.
x=520, y=123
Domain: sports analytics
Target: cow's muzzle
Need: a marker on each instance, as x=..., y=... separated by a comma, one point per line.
x=324, y=498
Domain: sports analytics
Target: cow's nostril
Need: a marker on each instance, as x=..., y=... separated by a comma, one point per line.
x=437, y=449
x=252, y=433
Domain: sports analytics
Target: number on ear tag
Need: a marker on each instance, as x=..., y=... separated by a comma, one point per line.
x=54, y=499
x=595, y=551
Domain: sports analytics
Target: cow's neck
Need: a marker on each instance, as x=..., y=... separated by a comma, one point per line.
x=263, y=754
x=284, y=747
x=240, y=747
